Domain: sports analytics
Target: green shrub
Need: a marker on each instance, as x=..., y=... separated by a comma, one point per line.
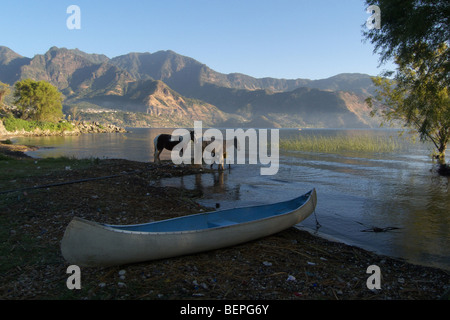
x=14, y=124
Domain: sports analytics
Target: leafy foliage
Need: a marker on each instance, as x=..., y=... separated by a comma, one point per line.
x=418, y=97
x=405, y=23
x=38, y=100
x=416, y=33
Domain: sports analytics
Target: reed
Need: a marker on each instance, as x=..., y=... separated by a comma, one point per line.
x=335, y=144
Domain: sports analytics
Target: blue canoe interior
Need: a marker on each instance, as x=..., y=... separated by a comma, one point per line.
x=218, y=219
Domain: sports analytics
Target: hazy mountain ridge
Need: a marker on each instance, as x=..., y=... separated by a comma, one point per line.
x=175, y=70
x=165, y=85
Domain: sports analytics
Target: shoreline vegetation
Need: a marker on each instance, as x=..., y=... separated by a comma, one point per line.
x=360, y=143
x=291, y=265
x=11, y=126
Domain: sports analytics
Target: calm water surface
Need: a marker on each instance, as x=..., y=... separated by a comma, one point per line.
x=356, y=191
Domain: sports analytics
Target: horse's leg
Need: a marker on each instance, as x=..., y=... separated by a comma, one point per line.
x=221, y=162
x=157, y=153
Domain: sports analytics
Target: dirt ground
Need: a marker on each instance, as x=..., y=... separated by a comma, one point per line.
x=291, y=265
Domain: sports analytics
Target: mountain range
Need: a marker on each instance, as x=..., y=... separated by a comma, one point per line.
x=166, y=89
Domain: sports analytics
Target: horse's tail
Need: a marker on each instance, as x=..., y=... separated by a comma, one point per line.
x=155, y=143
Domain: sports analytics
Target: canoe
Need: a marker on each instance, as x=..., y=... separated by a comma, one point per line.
x=90, y=244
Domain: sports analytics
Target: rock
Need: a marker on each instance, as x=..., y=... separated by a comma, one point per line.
x=291, y=278
x=96, y=127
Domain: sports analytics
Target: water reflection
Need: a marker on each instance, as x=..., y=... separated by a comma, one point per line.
x=213, y=186
x=136, y=145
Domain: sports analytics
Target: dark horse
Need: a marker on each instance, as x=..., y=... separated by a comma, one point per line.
x=167, y=141
x=220, y=158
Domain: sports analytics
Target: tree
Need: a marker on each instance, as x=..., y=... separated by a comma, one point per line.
x=74, y=113
x=404, y=23
x=416, y=34
x=418, y=98
x=38, y=100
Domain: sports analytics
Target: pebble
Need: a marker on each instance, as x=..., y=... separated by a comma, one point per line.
x=343, y=273
x=291, y=278
x=198, y=295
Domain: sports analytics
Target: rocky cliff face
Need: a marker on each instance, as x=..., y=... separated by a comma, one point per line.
x=171, y=88
x=163, y=101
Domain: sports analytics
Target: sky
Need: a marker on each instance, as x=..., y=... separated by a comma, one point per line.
x=290, y=39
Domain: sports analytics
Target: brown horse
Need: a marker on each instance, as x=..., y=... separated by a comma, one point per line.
x=223, y=156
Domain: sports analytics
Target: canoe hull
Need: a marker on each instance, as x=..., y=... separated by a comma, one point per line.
x=90, y=244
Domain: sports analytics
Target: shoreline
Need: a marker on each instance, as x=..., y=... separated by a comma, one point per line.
x=15, y=151
x=80, y=127
x=291, y=265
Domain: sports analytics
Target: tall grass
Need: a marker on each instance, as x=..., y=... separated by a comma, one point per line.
x=335, y=144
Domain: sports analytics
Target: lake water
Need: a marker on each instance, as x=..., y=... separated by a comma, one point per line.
x=356, y=191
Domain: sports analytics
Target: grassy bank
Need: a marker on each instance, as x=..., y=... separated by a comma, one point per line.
x=14, y=124
x=334, y=144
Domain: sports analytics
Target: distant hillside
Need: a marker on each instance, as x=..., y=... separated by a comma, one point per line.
x=182, y=73
x=10, y=65
x=165, y=87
